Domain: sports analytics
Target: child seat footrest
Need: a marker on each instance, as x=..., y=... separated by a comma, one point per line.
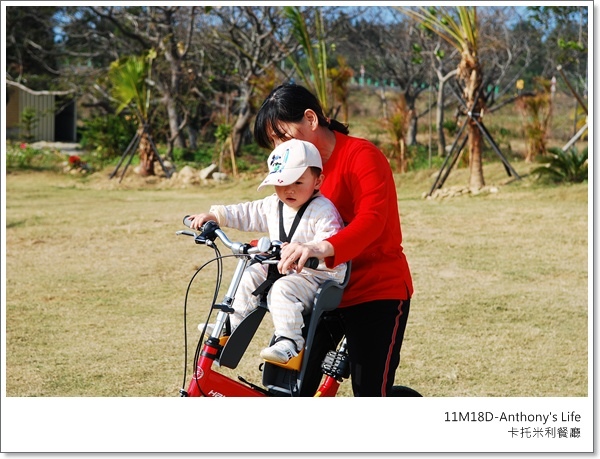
x=293, y=364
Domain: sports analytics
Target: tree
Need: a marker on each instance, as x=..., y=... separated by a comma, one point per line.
x=459, y=27
x=396, y=123
x=29, y=57
x=566, y=47
x=537, y=111
x=314, y=62
x=443, y=76
x=566, y=35
x=254, y=40
x=129, y=79
x=340, y=77
x=526, y=51
x=315, y=54
x=168, y=30
x=389, y=50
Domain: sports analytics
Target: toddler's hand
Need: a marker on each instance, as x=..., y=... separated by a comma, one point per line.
x=198, y=220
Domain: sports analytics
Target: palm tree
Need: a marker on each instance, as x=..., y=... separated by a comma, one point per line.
x=315, y=54
x=458, y=26
x=129, y=78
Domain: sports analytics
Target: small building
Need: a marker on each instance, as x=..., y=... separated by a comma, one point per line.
x=56, y=115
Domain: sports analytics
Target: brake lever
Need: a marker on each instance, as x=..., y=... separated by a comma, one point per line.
x=185, y=233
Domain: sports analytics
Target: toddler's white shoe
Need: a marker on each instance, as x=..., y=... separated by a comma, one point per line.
x=280, y=352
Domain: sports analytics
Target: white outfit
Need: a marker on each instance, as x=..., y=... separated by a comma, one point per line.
x=292, y=295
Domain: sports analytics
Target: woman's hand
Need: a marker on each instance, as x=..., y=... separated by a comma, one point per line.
x=200, y=219
x=295, y=254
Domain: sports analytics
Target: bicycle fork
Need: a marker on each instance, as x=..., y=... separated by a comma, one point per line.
x=208, y=383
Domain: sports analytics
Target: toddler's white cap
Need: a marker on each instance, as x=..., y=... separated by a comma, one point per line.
x=288, y=161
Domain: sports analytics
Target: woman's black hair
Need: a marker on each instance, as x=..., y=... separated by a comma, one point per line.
x=287, y=104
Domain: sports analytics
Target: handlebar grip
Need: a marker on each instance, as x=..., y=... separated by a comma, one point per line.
x=312, y=263
x=187, y=221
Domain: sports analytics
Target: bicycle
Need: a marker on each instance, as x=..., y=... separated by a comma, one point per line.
x=318, y=369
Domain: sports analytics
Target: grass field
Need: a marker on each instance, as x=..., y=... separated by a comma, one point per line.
x=96, y=278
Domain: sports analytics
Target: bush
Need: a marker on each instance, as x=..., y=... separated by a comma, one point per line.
x=563, y=166
x=29, y=121
x=107, y=136
x=19, y=156
x=23, y=156
x=254, y=158
x=451, y=127
x=180, y=155
x=419, y=158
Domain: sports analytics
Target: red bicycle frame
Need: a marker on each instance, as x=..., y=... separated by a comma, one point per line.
x=208, y=383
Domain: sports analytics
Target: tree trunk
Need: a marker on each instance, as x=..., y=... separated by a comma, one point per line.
x=174, y=121
x=476, y=181
x=192, y=134
x=147, y=157
x=413, y=119
x=242, y=122
x=403, y=160
x=411, y=134
x=239, y=128
x=469, y=71
x=440, y=109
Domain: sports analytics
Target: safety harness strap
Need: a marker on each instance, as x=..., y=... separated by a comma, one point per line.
x=273, y=274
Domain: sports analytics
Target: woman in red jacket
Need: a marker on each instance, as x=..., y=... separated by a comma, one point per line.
x=359, y=181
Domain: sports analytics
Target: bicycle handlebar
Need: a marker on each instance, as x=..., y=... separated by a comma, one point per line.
x=211, y=230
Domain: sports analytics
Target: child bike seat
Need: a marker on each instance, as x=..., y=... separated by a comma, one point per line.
x=279, y=378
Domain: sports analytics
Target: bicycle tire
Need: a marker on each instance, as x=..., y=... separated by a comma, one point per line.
x=404, y=391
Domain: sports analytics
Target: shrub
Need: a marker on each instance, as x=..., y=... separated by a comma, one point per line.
x=419, y=158
x=537, y=112
x=451, y=127
x=29, y=121
x=19, y=156
x=563, y=166
x=107, y=136
x=23, y=156
x=205, y=154
x=180, y=155
x=253, y=158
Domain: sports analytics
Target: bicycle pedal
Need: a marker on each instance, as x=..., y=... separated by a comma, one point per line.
x=336, y=365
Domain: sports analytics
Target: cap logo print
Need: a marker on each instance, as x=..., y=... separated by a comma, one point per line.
x=278, y=163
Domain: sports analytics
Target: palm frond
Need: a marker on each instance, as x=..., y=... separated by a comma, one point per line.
x=128, y=84
x=439, y=22
x=316, y=54
x=461, y=35
x=563, y=166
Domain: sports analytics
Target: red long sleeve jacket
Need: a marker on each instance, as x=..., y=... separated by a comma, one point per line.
x=359, y=181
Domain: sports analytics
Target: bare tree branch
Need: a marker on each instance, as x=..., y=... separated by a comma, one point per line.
x=39, y=93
